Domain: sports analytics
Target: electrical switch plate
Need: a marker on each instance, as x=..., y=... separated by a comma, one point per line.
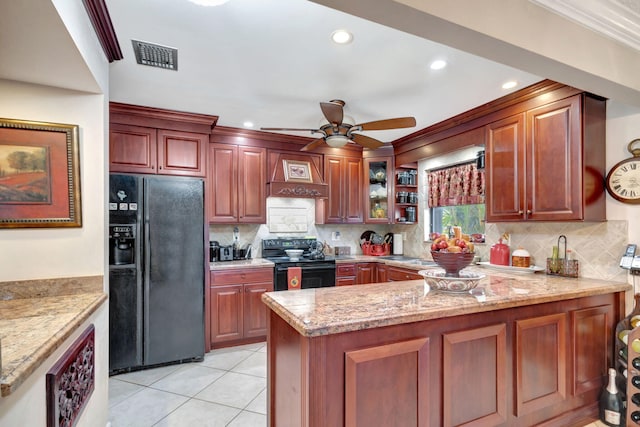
x=335, y=236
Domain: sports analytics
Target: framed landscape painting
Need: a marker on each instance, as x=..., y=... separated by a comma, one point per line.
x=39, y=175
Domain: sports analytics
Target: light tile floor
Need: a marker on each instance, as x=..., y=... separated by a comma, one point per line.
x=227, y=389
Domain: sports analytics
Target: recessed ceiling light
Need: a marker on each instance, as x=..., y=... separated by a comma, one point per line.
x=342, y=37
x=247, y=124
x=510, y=84
x=438, y=64
x=208, y=2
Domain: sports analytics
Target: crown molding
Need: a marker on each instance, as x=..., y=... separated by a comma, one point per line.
x=617, y=19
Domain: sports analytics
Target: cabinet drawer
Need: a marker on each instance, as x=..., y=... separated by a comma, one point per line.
x=343, y=270
x=397, y=274
x=235, y=276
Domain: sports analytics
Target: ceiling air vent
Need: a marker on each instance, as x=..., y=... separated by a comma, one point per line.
x=155, y=55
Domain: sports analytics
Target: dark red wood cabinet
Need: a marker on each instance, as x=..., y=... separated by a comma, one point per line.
x=237, y=312
x=236, y=184
x=541, y=364
x=546, y=164
x=345, y=202
x=154, y=141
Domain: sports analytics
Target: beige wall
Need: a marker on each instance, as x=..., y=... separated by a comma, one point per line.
x=64, y=34
x=60, y=252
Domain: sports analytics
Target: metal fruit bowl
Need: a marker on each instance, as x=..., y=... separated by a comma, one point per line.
x=438, y=281
x=294, y=254
x=452, y=262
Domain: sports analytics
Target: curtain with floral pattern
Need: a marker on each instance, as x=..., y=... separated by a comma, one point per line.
x=457, y=185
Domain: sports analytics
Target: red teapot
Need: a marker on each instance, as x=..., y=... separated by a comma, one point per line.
x=500, y=253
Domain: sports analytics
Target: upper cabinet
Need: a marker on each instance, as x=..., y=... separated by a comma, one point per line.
x=546, y=164
x=344, y=204
x=236, y=184
x=378, y=189
x=154, y=141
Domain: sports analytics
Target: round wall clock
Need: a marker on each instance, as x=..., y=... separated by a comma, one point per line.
x=623, y=180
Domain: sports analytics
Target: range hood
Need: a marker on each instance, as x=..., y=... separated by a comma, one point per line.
x=295, y=175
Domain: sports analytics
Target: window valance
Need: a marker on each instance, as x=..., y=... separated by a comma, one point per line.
x=456, y=185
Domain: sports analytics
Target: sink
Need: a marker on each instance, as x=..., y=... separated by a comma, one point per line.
x=398, y=258
x=423, y=262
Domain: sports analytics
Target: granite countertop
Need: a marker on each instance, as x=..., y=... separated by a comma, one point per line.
x=325, y=311
x=36, y=317
x=241, y=264
x=401, y=261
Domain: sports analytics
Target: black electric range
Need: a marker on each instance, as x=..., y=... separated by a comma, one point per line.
x=317, y=270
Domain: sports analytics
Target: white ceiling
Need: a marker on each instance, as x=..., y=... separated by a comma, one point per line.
x=272, y=61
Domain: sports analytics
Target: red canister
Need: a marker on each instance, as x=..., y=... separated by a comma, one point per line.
x=500, y=254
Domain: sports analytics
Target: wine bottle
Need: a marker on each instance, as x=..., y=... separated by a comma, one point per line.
x=611, y=409
x=635, y=380
x=635, y=416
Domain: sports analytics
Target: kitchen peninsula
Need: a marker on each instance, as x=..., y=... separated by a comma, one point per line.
x=396, y=354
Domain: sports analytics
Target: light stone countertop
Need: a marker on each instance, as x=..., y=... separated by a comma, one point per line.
x=36, y=317
x=241, y=264
x=325, y=311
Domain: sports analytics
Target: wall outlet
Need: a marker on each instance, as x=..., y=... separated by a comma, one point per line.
x=335, y=236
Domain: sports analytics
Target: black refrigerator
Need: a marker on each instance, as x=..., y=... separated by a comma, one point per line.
x=156, y=271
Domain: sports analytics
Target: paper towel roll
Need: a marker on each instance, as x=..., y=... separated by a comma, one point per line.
x=397, y=244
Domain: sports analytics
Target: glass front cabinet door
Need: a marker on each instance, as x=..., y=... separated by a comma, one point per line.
x=379, y=176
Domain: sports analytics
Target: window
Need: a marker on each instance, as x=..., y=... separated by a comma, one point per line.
x=469, y=217
x=456, y=197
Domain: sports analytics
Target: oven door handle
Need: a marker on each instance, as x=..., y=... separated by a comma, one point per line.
x=309, y=267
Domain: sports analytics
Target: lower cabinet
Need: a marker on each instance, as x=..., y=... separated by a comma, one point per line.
x=542, y=364
x=395, y=274
x=237, y=312
x=366, y=273
x=360, y=273
x=345, y=274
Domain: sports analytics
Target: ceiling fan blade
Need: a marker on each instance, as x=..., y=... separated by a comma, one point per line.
x=332, y=112
x=366, y=141
x=293, y=129
x=398, y=123
x=313, y=144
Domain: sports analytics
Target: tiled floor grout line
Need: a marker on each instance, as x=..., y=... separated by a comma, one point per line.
x=190, y=396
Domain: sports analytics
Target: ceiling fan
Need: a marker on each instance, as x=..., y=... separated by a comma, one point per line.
x=339, y=129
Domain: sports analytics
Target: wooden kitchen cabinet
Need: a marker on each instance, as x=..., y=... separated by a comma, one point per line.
x=539, y=364
x=344, y=177
x=378, y=190
x=345, y=274
x=398, y=273
x=366, y=273
x=154, y=141
x=236, y=184
x=237, y=312
x=360, y=273
x=547, y=163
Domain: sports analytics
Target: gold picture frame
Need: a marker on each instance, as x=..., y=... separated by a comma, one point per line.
x=39, y=175
x=297, y=171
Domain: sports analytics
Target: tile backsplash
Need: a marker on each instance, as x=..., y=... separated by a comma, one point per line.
x=597, y=246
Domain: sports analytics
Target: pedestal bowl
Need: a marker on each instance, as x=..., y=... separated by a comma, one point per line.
x=437, y=280
x=452, y=262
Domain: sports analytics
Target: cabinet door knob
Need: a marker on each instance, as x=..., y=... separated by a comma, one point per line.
x=520, y=212
x=528, y=211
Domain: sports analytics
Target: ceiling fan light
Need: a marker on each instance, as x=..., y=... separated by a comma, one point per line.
x=337, y=141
